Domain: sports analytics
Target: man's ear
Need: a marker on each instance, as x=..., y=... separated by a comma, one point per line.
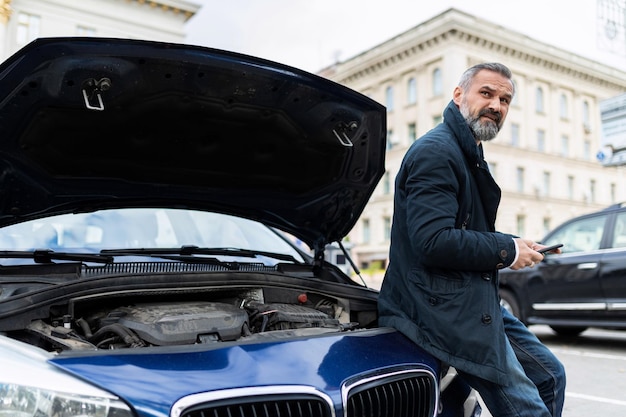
x=456, y=95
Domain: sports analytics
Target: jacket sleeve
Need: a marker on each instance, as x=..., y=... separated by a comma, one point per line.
x=442, y=213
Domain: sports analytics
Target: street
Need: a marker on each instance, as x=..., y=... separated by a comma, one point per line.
x=595, y=363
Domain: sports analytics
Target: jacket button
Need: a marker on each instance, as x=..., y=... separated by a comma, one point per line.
x=486, y=277
x=503, y=254
x=432, y=301
x=486, y=319
x=500, y=266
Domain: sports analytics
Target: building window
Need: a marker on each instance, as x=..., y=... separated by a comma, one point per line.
x=587, y=150
x=27, y=28
x=521, y=225
x=515, y=135
x=539, y=100
x=493, y=169
x=570, y=187
x=563, y=107
x=586, y=120
x=391, y=139
x=389, y=98
x=564, y=146
x=387, y=183
x=612, y=191
x=546, y=225
x=437, y=120
x=387, y=228
x=520, y=179
x=592, y=191
x=411, y=91
x=366, y=230
x=437, y=82
x=541, y=140
x=515, y=101
x=412, y=132
x=546, y=183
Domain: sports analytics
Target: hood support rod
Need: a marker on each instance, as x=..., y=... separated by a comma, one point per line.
x=352, y=264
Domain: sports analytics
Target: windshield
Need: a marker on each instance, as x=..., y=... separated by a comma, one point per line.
x=143, y=228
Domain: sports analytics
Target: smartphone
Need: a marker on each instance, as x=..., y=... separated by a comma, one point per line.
x=549, y=248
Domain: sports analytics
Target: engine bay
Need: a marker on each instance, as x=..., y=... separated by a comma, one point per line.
x=123, y=321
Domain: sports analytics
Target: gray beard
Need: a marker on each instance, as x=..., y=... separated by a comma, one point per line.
x=482, y=131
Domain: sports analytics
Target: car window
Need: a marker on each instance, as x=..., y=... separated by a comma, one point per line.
x=580, y=235
x=619, y=233
x=142, y=228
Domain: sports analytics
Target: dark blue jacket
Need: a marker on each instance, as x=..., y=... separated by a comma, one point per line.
x=441, y=285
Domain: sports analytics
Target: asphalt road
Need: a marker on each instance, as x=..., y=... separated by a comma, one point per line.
x=595, y=363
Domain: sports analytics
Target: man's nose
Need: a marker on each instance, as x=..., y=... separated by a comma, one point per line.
x=494, y=104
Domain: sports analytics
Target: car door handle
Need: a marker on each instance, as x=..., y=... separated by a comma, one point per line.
x=588, y=265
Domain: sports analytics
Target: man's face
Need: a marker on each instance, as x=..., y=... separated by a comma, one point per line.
x=485, y=104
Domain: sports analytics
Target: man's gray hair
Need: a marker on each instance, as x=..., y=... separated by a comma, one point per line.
x=468, y=75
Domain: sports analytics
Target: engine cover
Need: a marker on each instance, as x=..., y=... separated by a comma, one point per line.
x=181, y=323
x=279, y=316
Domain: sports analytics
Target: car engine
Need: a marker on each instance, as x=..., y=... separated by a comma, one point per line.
x=116, y=324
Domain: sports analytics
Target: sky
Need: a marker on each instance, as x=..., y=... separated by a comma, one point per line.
x=313, y=34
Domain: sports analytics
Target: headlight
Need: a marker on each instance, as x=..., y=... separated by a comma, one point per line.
x=21, y=401
x=32, y=387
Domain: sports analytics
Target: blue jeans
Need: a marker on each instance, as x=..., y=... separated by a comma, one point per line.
x=537, y=386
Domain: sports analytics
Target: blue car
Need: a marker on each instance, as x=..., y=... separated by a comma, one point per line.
x=164, y=211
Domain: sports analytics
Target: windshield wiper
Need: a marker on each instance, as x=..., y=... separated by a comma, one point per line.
x=196, y=250
x=47, y=256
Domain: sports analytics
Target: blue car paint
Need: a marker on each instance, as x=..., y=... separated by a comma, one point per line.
x=152, y=382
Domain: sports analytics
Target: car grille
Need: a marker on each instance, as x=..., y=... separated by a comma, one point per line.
x=264, y=407
x=394, y=393
x=270, y=401
x=403, y=394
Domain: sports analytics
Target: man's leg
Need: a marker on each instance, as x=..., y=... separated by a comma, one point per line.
x=519, y=399
x=539, y=363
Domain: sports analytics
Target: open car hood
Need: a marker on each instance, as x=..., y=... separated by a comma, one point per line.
x=91, y=123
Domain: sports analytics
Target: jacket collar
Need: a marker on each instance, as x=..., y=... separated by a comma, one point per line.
x=487, y=188
x=453, y=118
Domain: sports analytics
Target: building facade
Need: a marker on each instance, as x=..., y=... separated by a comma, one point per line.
x=21, y=21
x=544, y=159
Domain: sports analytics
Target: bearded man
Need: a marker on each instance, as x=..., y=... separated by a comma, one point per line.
x=441, y=286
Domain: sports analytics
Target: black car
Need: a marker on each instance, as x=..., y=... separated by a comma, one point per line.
x=584, y=286
x=157, y=206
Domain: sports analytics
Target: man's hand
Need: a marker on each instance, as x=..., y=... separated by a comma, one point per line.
x=527, y=256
